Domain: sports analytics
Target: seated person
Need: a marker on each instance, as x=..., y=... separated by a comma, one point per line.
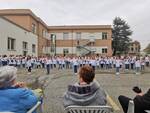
x=85, y=92
x=141, y=101
x=14, y=97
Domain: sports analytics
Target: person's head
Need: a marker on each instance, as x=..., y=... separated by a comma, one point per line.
x=8, y=75
x=86, y=74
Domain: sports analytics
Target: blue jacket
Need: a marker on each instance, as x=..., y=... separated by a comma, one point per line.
x=18, y=100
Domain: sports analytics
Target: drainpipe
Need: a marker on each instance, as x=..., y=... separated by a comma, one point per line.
x=72, y=42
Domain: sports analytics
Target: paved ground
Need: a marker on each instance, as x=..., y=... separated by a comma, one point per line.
x=114, y=85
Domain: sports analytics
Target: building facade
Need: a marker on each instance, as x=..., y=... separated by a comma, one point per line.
x=134, y=48
x=28, y=20
x=15, y=40
x=81, y=40
x=63, y=40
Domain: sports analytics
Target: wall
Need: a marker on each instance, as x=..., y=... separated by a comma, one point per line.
x=86, y=35
x=8, y=29
x=72, y=50
x=22, y=20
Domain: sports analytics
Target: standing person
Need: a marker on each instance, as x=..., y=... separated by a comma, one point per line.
x=80, y=61
x=18, y=62
x=75, y=65
x=142, y=64
x=50, y=62
x=4, y=60
x=33, y=62
x=107, y=62
x=67, y=62
x=127, y=63
x=117, y=65
x=63, y=63
x=114, y=62
x=23, y=60
x=141, y=101
x=14, y=62
x=138, y=66
x=43, y=62
x=59, y=63
x=14, y=96
x=29, y=65
x=93, y=63
x=0, y=61
x=147, y=60
x=10, y=61
x=54, y=62
x=97, y=63
x=48, y=65
x=132, y=62
x=85, y=92
x=38, y=63
x=102, y=62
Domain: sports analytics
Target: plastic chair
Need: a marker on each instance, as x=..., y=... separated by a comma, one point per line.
x=88, y=109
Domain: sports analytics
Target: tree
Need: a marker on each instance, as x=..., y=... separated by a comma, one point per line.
x=120, y=34
x=147, y=49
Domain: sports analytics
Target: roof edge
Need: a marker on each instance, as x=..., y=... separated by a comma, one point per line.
x=14, y=23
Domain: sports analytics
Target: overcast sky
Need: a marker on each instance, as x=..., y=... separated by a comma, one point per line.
x=90, y=12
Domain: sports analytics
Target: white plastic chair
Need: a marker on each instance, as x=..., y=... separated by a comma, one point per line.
x=37, y=107
x=131, y=107
x=148, y=111
x=6, y=112
x=88, y=109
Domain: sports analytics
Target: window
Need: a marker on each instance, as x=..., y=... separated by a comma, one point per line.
x=132, y=49
x=104, y=36
x=33, y=28
x=65, y=35
x=25, y=46
x=65, y=51
x=78, y=35
x=136, y=49
x=11, y=43
x=44, y=33
x=104, y=50
x=33, y=48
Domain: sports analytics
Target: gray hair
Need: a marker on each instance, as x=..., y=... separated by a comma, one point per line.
x=7, y=75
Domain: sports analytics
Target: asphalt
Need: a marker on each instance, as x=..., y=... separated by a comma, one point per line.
x=56, y=84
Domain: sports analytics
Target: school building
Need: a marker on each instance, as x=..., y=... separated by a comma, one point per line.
x=60, y=40
x=15, y=40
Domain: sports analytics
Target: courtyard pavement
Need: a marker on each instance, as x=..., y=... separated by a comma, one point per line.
x=58, y=80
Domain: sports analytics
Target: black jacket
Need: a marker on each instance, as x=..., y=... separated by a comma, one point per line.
x=142, y=103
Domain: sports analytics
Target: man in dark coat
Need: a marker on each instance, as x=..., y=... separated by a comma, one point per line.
x=141, y=101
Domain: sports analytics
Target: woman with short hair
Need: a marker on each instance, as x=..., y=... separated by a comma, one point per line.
x=85, y=92
x=14, y=97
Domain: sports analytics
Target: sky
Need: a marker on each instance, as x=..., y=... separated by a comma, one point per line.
x=90, y=12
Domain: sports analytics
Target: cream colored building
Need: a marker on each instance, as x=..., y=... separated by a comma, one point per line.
x=16, y=40
x=81, y=40
x=134, y=48
x=62, y=40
